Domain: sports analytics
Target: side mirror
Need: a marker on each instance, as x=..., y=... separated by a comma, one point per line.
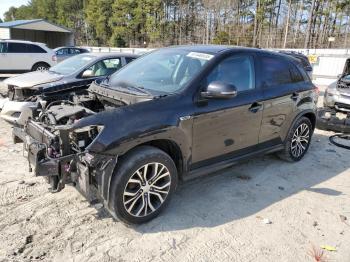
x=218, y=89
x=88, y=73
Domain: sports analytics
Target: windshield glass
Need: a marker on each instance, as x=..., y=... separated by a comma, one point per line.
x=72, y=64
x=163, y=71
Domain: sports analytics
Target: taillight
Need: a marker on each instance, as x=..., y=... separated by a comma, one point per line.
x=54, y=58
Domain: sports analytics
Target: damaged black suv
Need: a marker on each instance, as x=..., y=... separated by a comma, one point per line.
x=171, y=115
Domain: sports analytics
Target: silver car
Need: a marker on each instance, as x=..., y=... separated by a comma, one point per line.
x=337, y=95
x=65, y=52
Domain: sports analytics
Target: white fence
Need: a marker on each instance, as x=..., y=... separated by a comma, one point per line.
x=329, y=62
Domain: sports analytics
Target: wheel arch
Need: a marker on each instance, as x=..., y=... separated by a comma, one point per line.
x=166, y=145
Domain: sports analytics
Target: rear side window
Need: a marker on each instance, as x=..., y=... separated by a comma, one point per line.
x=296, y=75
x=235, y=70
x=17, y=48
x=35, y=49
x=275, y=71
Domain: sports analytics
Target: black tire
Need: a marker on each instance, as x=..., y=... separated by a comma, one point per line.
x=40, y=67
x=287, y=153
x=126, y=169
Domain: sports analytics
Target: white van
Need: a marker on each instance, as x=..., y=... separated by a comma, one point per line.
x=18, y=56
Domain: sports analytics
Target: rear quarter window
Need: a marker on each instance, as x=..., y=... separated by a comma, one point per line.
x=276, y=71
x=35, y=49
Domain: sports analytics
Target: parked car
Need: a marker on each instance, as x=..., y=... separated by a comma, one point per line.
x=337, y=95
x=176, y=113
x=31, y=91
x=304, y=61
x=23, y=56
x=65, y=52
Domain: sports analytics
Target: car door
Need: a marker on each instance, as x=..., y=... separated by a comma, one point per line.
x=4, y=58
x=280, y=95
x=225, y=128
x=18, y=57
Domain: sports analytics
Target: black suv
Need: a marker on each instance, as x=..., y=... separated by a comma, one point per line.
x=173, y=114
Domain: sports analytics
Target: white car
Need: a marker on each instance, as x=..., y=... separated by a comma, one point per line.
x=18, y=56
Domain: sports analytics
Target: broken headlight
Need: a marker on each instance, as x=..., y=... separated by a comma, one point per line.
x=82, y=137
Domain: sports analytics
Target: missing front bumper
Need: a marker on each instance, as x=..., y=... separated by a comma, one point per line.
x=90, y=173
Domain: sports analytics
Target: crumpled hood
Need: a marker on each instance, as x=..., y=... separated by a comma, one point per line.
x=29, y=80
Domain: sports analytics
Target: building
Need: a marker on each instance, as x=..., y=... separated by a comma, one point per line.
x=37, y=30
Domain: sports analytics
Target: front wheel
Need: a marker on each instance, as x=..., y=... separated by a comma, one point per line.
x=142, y=185
x=298, y=140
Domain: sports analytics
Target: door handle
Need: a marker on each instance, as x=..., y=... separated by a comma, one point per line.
x=295, y=96
x=255, y=107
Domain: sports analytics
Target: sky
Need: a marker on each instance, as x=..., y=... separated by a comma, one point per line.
x=6, y=4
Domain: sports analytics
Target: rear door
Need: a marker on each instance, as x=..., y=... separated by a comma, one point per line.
x=225, y=128
x=280, y=94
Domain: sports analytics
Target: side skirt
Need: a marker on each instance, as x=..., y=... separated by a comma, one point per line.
x=205, y=170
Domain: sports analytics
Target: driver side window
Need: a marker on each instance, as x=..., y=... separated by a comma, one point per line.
x=235, y=70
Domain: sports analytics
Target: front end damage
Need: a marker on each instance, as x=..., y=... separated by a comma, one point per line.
x=61, y=158
x=64, y=144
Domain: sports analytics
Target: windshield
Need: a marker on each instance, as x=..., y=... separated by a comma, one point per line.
x=72, y=64
x=163, y=71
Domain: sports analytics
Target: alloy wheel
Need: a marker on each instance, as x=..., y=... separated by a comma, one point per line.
x=147, y=189
x=300, y=140
x=41, y=68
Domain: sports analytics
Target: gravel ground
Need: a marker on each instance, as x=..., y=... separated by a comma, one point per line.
x=221, y=217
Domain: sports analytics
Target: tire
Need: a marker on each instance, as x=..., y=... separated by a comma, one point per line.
x=293, y=152
x=133, y=201
x=40, y=67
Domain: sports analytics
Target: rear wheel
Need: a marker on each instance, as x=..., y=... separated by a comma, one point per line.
x=40, y=67
x=142, y=185
x=298, y=140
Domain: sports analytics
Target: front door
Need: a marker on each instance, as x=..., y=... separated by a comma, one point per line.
x=224, y=128
x=4, y=58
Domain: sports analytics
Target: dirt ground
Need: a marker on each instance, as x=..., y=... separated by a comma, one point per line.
x=221, y=217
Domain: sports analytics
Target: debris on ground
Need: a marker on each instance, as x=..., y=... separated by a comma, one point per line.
x=267, y=221
x=343, y=218
x=328, y=248
x=315, y=224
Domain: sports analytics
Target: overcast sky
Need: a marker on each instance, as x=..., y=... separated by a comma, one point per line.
x=6, y=4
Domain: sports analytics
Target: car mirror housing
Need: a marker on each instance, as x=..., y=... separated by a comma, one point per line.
x=88, y=73
x=219, y=89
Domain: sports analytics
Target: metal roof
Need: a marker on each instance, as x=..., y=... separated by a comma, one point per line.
x=18, y=22
x=35, y=24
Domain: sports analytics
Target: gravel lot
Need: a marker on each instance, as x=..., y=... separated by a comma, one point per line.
x=216, y=218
